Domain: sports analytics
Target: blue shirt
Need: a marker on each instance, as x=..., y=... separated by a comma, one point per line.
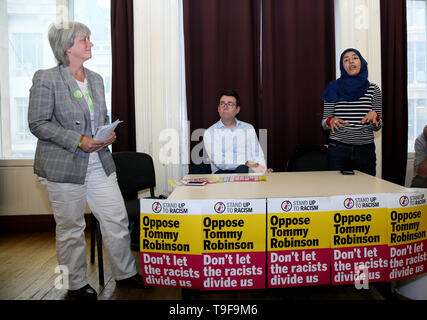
x=229, y=148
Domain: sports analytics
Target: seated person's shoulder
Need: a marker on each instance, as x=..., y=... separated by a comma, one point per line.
x=420, y=143
x=246, y=125
x=212, y=127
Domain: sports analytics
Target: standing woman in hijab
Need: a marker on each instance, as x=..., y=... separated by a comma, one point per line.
x=352, y=112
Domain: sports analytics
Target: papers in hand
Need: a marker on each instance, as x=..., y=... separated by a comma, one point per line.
x=103, y=132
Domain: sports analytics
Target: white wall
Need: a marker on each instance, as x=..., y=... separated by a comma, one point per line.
x=20, y=191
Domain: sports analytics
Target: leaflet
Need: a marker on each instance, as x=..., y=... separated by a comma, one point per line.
x=103, y=132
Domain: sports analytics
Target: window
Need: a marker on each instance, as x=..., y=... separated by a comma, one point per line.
x=28, y=50
x=27, y=53
x=417, y=62
x=417, y=69
x=22, y=133
x=96, y=15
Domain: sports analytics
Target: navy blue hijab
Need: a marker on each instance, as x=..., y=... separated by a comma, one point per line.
x=348, y=88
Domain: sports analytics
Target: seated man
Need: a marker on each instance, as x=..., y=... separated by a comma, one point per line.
x=232, y=145
x=420, y=161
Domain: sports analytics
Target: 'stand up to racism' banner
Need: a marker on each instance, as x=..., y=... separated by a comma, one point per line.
x=298, y=242
x=221, y=244
x=233, y=235
x=206, y=244
x=407, y=227
x=359, y=252
x=171, y=243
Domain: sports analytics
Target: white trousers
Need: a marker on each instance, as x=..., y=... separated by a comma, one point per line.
x=68, y=202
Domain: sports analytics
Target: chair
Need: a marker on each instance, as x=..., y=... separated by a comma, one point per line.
x=135, y=172
x=308, y=157
x=202, y=168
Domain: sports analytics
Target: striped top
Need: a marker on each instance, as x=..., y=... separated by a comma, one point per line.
x=353, y=112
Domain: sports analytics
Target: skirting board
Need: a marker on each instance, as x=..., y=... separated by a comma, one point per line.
x=31, y=223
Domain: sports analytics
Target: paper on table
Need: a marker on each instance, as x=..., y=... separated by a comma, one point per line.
x=103, y=132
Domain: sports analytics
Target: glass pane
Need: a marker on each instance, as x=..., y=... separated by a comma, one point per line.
x=421, y=115
x=411, y=128
x=420, y=58
x=420, y=16
x=28, y=53
x=23, y=133
x=417, y=70
x=28, y=50
x=411, y=64
x=96, y=15
x=409, y=13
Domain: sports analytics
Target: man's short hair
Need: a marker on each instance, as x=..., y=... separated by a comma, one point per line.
x=229, y=93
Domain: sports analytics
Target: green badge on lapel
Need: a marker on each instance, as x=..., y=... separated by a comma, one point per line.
x=78, y=94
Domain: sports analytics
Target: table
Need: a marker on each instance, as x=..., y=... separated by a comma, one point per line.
x=330, y=244
x=288, y=184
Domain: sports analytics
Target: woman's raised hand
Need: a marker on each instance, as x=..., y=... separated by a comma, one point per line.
x=336, y=123
x=371, y=117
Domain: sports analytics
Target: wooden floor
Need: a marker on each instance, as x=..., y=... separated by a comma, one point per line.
x=27, y=272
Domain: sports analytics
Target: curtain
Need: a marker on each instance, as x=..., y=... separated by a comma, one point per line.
x=298, y=62
x=222, y=52
x=122, y=85
x=394, y=90
x=160, y=104
x=279, y=71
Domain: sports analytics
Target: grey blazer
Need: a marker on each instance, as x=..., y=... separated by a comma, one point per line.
x=58, y=119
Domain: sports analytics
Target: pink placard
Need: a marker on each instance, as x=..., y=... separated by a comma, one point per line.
x=233, y=271
x=171, y=270
x=359, y=264
x=293, y=268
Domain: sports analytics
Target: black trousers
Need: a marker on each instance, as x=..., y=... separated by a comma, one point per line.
x=341, y=156
x=240, y=169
